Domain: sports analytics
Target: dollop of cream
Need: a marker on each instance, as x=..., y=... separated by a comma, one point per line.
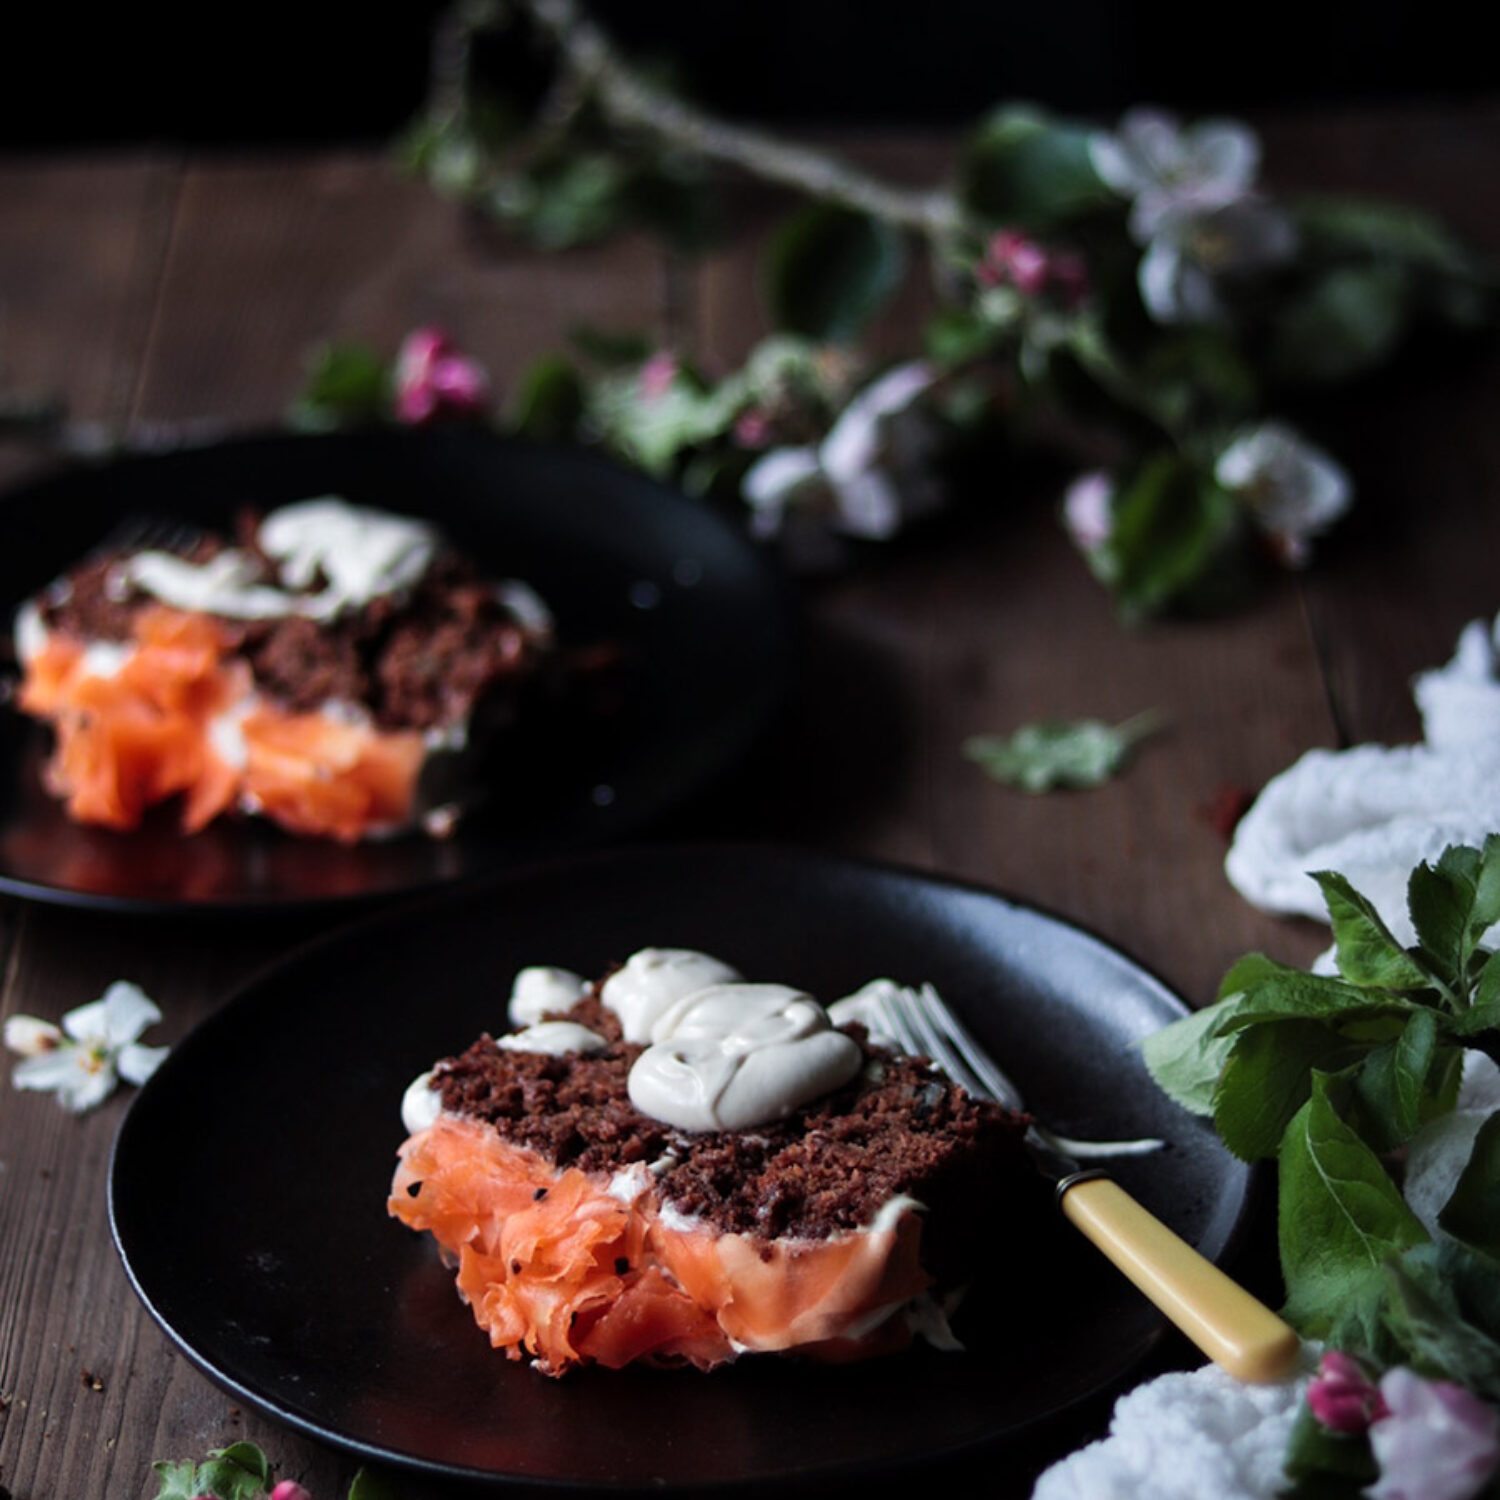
x=652, y=980
x=360, y=554
x=421, y=1104
x=554, y=1038
x=30, y=632
x=540, y=991
x=735, y=1055
x=228, y=584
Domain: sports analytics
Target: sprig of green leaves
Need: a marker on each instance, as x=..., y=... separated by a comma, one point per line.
x=1331, y=1075
x=243, y=1472
x=239, y=1472
x=1390, y=1026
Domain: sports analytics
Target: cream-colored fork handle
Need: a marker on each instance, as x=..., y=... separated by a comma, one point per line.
x=1242, y=1335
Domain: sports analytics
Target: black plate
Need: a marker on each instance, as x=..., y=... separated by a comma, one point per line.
x=700, y=618
x=249, y=1177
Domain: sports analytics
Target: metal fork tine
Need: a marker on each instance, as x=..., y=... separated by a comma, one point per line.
x=895, y=1022
x=943, y=1051
x=976, y=1059
x=142, y=533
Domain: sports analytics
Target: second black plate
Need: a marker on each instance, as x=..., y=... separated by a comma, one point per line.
x=249, y=1179
x=697, y=615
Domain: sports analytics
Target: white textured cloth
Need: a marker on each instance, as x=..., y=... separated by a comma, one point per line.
x=1201, y=1435
x=1374, y=813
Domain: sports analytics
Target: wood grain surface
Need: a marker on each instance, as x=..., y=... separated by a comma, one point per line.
x=153, y=289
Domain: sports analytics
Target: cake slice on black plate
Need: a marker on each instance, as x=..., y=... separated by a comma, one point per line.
x=676, y=1166
x=326, y=669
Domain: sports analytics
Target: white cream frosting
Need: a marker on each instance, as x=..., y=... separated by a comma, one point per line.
x=554, y=1038
x=30, y=633
x=421, y=1104
x=653, y=979
x=360, y=553
x=541, y=990
x=737, y=1055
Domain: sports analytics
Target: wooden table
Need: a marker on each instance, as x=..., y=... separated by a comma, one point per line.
x=150, y=287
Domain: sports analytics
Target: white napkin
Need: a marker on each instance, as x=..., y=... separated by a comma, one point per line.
x=1203, y=1434
x=1374, y=813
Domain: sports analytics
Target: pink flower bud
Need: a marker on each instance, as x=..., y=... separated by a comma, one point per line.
x=752, y=429
x=1013, y=258
x=657, y=374
x=434, y=379
x=289, y=1489
x=1343, y=1398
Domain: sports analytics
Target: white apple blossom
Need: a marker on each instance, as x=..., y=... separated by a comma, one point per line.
x=1196, y=252
x=871, y=473
x=1435, y=1441
x=1292, y=489
x=95, y=1047
x=1088, y=510
x=1164, y=168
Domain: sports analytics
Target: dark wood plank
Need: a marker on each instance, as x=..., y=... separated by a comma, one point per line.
x=270, y=259
x=1412, y=564
x=82, y=243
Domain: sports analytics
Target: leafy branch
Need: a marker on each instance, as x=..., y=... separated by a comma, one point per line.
x=1131, y=300
x=1335, y=1076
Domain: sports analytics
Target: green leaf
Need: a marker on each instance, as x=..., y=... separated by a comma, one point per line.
x=1315, y=1450
x=1440, y=1342
x=1246, y=973
x=1367, y=952
x=1486, y=878
x=567, y=200
x=829, y=270
x=1345, y=324
x=1025, y=170
x=178, y=1481
x=548, y=400
x=1196, y=378
x=1186, y=1058
x=1059, y=753
x=1483, y=1013
x=1361, y=1324
x=1348, y=228
x=954, y=336
x=372, y=1484
x=1472, y=1212
x=1267, y=1078
x=239, y=1472
x=1391, y=1085
x=1465, y=1275
x=1173, y=527
x=1278, y=993
x=346, y=384
x=1339, y=1215
x=1451, y=906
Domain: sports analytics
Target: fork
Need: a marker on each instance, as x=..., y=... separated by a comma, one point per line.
x=1236, y=1331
